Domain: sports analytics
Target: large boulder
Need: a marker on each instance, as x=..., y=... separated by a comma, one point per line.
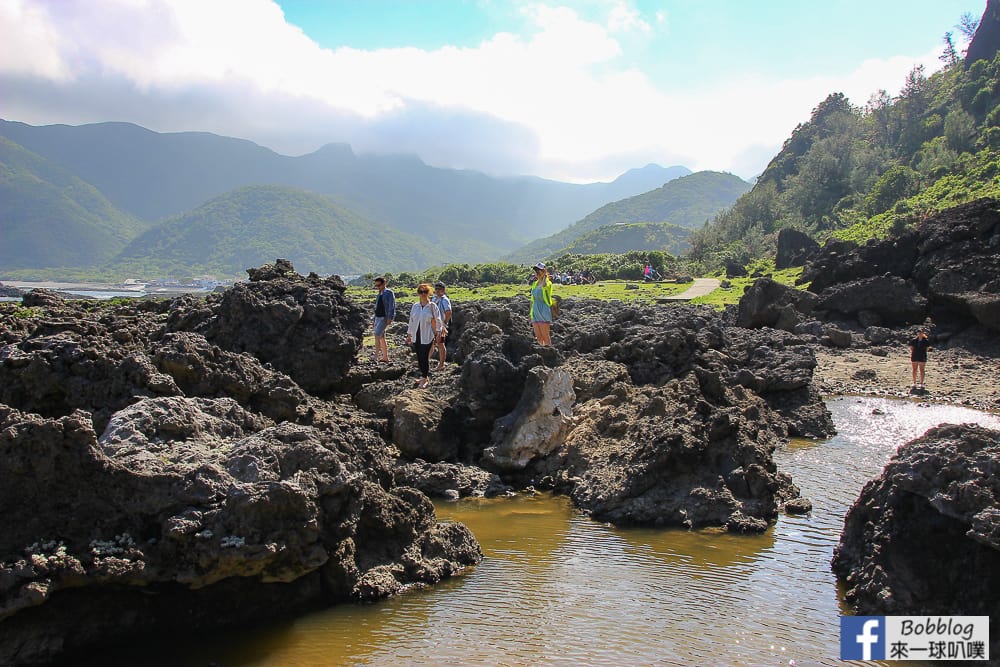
x=417, y=427
x=959, y=262
x=893, y=299
x=538, y=424
x=843, y=261
x=767, y=303
x=778, y=367
x=951, y=260
x=924, y=538
x=304, y=327
x=794, y=248
x=667, y=456
x=181, y=495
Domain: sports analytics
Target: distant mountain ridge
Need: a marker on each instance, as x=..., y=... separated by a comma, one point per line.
x=154, y=176
x=687, y=202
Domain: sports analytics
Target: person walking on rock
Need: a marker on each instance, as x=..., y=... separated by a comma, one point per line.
x=918, y=356
x=423, y=330
x=385, y=312
x=443, y=303
x=541, y=305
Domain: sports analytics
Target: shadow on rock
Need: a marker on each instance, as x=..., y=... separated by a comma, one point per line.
x=924, y=538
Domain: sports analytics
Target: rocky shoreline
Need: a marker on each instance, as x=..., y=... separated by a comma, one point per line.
x=956, y=374
x=244, y=449
x=163, y=454
x=922, y=537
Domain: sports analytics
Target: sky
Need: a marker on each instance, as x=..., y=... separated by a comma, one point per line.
x=577, y=91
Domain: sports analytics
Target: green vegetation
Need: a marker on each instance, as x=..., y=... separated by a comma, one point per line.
x=861, y=173
x=725, y=296
x=464, y=214
x=605, y=289
x=51, y=217
x=686, y=202
x=602, y=266
x=255, y=225
x=27, y=312
x=623, y=236
x=979, y=178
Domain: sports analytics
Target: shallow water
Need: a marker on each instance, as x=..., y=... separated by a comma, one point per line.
x=559, y=589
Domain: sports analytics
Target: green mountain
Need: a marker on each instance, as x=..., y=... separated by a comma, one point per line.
x=257, y=224
x=622, y=237
x=51, y=218
x=865, y=172
x=158, y=175
x=686, y=202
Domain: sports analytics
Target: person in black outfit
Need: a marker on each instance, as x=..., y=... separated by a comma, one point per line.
x=918, y=356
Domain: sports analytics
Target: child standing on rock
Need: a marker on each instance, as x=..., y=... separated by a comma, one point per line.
x=918, y=356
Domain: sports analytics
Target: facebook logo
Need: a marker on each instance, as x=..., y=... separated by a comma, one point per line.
x=862, y=637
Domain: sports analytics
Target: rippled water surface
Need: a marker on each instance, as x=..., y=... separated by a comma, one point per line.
x=557, y=588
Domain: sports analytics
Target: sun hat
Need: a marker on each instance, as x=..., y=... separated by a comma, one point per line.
x=438, y=285
x=540, y=266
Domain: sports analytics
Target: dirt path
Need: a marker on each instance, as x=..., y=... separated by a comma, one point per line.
x=701, y=287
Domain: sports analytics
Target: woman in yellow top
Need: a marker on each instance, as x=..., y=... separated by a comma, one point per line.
x=541, y=304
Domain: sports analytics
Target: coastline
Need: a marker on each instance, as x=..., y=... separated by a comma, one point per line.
x=47, y=284
x=144, y=291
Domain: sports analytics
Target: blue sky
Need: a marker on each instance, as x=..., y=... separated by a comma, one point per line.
x=786, y=38
x=578, y=91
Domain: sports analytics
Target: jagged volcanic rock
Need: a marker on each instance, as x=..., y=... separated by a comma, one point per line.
x=952, y=260
x=924, y=538
x=673, y=421
x=158, y=480
x=304, y=327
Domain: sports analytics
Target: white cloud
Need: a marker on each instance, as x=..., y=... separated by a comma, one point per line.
x=29, y=45
x=625, y=18
x=561, y=90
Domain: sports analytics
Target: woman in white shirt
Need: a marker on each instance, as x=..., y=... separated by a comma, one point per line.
x=423, y=330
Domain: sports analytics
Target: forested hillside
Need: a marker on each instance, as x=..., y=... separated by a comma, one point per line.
x=254, y=225
x=51, y=218
x=156, y=175
x=625, y=236
x=686, y=202
x=860, y=172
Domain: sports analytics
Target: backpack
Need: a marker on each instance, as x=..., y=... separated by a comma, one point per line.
x=555, y=306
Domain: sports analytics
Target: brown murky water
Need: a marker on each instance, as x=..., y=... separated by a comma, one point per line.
x=559, y=589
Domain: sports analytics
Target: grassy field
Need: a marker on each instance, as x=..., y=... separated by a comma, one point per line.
x=622, y=290
x=605, y=289
x=724, y=296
